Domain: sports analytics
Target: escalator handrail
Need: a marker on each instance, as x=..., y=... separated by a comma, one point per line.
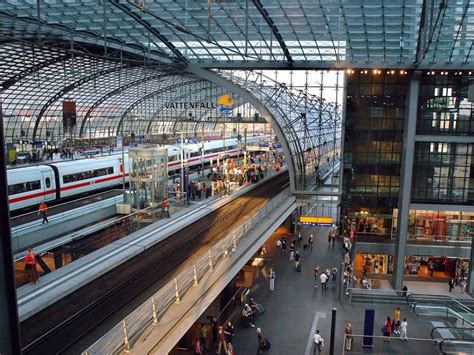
x=449, y=327
x=446, y=300
x=454, y=342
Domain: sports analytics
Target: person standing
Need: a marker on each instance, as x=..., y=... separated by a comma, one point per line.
x=43, y=211
x=292, y=251
x=229, y=333
x=165, y=205
x=203, y=336
x=197, y=347
x=396, y=320
x=318, y=342
x=403, y=330
x=310, y=242
x=405, y=290
x=30, y=266
x=272, y=276
x=348, y=339
x=221, y=340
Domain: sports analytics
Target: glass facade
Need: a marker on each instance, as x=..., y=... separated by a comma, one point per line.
x=444, y=108
x=375, y=114
x=443, y=173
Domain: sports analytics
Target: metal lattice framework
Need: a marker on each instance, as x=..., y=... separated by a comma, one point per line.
x=122, y=94
x=259, y=33
x=310, y=124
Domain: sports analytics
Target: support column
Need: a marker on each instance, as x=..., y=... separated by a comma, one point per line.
x=404, y=196
x=470, y=274
x=9, y=330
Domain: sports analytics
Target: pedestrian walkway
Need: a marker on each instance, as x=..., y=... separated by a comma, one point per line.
x=296, y=308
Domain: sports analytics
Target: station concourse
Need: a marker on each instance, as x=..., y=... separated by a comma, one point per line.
x=161, y=160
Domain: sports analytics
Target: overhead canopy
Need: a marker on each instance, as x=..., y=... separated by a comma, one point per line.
x=260, y=33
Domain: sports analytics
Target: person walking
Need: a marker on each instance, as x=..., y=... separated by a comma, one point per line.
x=324, y=279
x=396, y=320
x=292, y=251
x=387, y=330
x=261, y=341
x=451, y=284
x=272, y=276
x=318, y=342
x=297, y=260
x=403, y=330
x=405, y=290
x=316, y=276
x=30, y=266
x=43, y=211
x=310, y=242
x=348, y=339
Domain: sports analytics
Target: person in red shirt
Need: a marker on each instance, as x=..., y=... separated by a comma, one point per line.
x=166, y=208
x=43, y=211
x=30, y=266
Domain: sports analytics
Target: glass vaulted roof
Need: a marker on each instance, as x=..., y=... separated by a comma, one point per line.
x=259, y=33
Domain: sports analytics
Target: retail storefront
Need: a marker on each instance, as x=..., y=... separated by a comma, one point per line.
x=416, y=266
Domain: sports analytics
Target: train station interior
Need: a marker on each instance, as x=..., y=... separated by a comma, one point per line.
x=236, y=177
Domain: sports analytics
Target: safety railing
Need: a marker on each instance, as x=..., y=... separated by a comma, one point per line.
x=379, y=344
x=150, y=312
x=458, y=347
x=441, y=306
x=457, y=333
x=389, y=296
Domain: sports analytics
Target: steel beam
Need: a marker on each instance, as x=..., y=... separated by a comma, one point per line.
x=150, y=28
x=10, y=332
x=259, y=6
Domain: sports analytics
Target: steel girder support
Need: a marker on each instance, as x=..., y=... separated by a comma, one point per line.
x=148, y=96
x=116, y=92
x=276, y=33
x=255, y=102
x=64, y=91
x=150, y=28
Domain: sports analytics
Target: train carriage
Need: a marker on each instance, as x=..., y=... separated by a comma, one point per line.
x=31, y=185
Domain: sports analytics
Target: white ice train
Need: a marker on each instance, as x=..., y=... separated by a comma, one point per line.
x=29, y=186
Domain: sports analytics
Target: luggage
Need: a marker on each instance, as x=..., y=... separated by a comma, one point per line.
x=305, y=246
x=267, y=345
x=298, y=268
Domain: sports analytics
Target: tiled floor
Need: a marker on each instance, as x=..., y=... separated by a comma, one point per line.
x=296, y=308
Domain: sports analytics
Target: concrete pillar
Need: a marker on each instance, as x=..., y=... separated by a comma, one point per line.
x=9, y=330
x=404, y=196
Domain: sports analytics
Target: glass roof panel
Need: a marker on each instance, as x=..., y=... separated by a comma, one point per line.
x=335, y=32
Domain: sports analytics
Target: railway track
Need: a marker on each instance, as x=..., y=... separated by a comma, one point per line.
x=106, y=299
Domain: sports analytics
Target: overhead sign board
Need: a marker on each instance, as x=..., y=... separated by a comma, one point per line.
x=316, y=220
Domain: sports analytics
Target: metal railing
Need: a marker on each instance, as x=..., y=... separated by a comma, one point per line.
x=151, y=311
x=444, y=306
x=378, y=344
x=458, y=333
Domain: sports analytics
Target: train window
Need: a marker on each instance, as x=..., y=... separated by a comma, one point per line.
x=195, y=154
x=85, y=175
x=47, y=182
x=24, y=187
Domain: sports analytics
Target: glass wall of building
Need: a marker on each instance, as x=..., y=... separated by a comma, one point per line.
x=444, y=108
x=375, y=114
x=443, y=173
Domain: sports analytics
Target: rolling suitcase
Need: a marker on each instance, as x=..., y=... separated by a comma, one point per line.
x=267, y=345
